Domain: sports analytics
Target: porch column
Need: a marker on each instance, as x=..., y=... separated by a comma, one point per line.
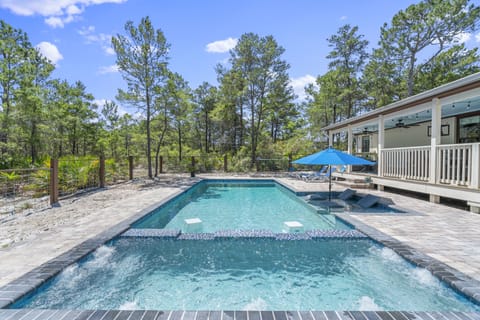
x=349, y=144
x=435, y=138
x=475, y=182
x=330, y=139
x=381, y=143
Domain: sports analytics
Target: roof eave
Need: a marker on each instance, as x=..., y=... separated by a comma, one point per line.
x=429, y=94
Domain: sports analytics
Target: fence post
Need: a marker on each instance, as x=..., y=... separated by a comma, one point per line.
x=192, y=171
x=102, y=172
x=225, y=163
x=257, y=164
x=130, y=167
x=53, y=181
x=290, y=162
x=161, y=164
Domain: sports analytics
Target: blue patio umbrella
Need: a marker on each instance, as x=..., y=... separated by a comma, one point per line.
x=331, y=157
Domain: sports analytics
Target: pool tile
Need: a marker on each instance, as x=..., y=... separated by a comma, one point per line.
x=202, y=315
x=280, y=315
x=370, y=315
x=357, y=315
x=84, y=315
x=267, y=315
x=189, y=315
x=97, y=315
x=124, y=315
x=157, y=233
x=384, y=315
x=196, y=236
x=215, y=315
x=306, y=315
x=397, y=315
x=176, y=315
x=319, y=315
x=292, y=315
x=111, y=315
x=241, y=315
x=228, y=315
x=162, y=315
x=254, y=315
x=407, y=314
x=136, y=315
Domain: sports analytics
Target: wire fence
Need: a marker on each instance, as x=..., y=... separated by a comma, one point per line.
x=32, y=188
x=23, y=189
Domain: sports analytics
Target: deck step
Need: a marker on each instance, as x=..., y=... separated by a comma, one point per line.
x=354, y=184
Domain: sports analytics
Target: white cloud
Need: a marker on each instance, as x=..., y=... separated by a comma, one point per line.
x=57, y=12
x=108, y=69
x=477, y=37
x=463, y=37
x=300, y=83
x=50, y=51
x=343, y=18
x=54, y=22
x=221, y=46
x=103, y=39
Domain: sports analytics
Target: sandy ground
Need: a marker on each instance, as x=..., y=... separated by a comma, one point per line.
x=25, y=227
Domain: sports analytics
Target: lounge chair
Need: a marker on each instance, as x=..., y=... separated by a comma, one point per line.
x=367, y=201
x=315, y=197
x=346, y=194
x=338, y=202
x=319, y=176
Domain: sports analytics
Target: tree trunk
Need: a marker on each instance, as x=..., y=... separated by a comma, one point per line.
x=33, y=150
x=149, y=159
x=411, y=70
x=241, y=123
x=206, y=131
x=179, y=143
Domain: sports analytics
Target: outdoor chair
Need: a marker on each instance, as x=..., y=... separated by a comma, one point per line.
x=338, y=202
x=319, y=176
x=367, y=202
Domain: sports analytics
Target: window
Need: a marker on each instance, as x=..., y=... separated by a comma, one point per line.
x=469, y=129
x=365, y=144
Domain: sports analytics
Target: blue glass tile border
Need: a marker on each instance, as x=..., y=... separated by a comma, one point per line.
x=177, y=234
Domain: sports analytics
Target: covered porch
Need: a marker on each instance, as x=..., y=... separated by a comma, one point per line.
x=427, y=143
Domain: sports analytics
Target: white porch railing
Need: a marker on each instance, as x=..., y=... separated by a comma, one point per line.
x=411, y=163
x=457, y=164
x=454, y=164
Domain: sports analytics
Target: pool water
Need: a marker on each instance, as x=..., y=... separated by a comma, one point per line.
x=245, y=274
x=239, y=206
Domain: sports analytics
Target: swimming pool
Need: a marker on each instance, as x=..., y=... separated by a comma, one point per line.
x=245, y=274
x=239, y=205
x=166, y=269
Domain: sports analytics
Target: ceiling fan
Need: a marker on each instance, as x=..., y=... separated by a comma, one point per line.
x=366, y=131
x=401, y=124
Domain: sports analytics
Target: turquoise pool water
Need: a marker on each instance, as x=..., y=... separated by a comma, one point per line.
x=245, y=274
x=238, y=205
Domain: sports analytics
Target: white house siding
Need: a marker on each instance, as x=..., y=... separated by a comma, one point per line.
x=409, y=137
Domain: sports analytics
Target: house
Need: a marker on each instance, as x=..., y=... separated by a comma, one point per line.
x=428, y=143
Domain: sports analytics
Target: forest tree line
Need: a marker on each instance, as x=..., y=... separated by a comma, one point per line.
x=252, y=112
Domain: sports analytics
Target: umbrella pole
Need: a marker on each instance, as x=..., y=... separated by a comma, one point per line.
x=330, y=184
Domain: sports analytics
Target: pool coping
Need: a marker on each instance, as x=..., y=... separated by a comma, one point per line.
x=34, y=279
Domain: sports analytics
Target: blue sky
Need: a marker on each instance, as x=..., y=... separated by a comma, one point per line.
x=75, y=34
